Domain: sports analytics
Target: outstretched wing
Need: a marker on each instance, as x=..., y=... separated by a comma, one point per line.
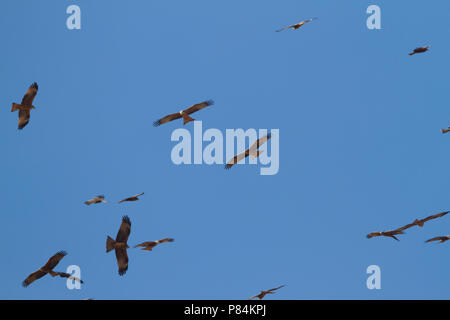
x=33, y=277
x=236, y=159
x=166, y=240
x=24, y=118
x=405, y=227
x=198, y=106
x=28, y=98
x=285, y=28
x=166, y=119
x=277, y=288
x=436, y=239
x=54, y=260
x=258, y=143
x=435, y=216
x=69, y=276
x=122, y=259
x=124, y=231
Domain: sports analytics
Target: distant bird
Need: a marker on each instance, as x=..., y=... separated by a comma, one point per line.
x=65, y=275
x=421, y=222
x=149, y=245
x=297, y=25
x=47, y=268
x=26, y=106
x=97, y=199
x=391, y=234
x=442, y=239
x=133, y=198
x=184, y=113
x=264, y=292
x=252, y=151
x=120, y=245
x=420, y=50
x=445, y=130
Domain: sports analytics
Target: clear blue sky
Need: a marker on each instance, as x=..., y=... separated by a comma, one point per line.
x=360, y=147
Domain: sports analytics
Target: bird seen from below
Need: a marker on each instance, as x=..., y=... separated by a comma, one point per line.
x=26, y=106
x=149, y=245
x=97, y=199
x=392, y=234
x=184, y=113
x=445, y=130
x=120, y=245
x=297, y=25
x=264, y=292
x=419, y=50
x=441, y=239
x=133, y=198
x=252, y=151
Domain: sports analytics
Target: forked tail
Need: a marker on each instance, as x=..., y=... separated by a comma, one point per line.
x=187, y=118
x=109, y=244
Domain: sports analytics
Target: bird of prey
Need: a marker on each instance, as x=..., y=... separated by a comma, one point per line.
x=391, y=234
x=264, y=292
x=149, y=245
x=97, y=199
x=252, y=151
x=445, y=130
x=26, y=106
x=184, y=113
x=120, y=245
x=133, y=198
x=421, y=222
x=442, y=239
x=47, y=268
x=297, y=25
x=65, y=275
x=420, y=50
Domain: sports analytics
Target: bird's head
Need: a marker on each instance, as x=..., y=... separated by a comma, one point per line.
x=181, y=112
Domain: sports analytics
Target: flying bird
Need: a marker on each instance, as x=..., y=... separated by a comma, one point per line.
x=442, y=239
x=26, y=106
x=297, y=25
x=184, y=113
x=149, y=245
x=264, y=292
x=421, y=222
x=133, y=198
x=120, y=245
x=47, y=268
x=252, y=151
x=445, y=130
x=390, y=233
x=420, y=50
x=65, y=275
x=97, y=199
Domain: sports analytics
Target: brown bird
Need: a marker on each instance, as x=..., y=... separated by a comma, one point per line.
x=149, y=245
x=264, y=292
x=47, y=268
x=445, y=130
x=391, y=234
x=420, y=50
x=252, y=151
x=120, y=245
x=133, y=198
x=97, y=199
x=65, y=275
x=297, y=25
x=26, y=106
x=184, y=113
x=442, y=239
x=421, y=222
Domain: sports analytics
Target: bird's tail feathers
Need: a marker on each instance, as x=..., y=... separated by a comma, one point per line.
x=16, y=106
x=187, y=118
x=109, y=244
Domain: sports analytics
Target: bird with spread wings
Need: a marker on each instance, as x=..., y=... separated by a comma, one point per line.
x=120, y=245
x=149, y=245
x=26, y=106
x=297, y=25
x=441, y=239
x=184, y=113
x=133, y=198
x=97, y=199
x=48, y=269
x=419, y=50
x=264, y=292
x=252, y=151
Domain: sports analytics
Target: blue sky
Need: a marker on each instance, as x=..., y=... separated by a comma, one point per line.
x=360, y=147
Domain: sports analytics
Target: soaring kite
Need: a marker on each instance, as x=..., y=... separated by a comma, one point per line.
x=252, y=151
x=442, y=239
x=26, y=105
x=120, y=245
x=133, y=198
x=149, y=245
x=97, y=199
x=264, y=292
x=48, y=268
x=297, y=25
x=420, y=50
x=184, y=113
x=391, y=234
x=445, y=130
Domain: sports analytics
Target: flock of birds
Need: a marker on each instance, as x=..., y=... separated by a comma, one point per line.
x=120, y=245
